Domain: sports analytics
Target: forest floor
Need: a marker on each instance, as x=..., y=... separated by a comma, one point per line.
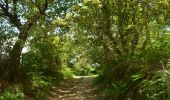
x=77, y=88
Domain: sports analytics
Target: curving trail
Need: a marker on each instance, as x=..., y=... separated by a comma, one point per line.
x=78, y=88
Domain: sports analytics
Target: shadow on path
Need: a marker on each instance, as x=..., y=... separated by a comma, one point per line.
x=78, y=88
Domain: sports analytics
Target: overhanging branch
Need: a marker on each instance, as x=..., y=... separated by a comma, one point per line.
x=12, y=17
x=43, y=6
x=15, y=9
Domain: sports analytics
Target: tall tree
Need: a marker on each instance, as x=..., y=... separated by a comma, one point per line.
x=22, y=15
x=122, y=30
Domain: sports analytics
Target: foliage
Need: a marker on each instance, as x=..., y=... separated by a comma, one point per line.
x=41, y=84
x=68, y=73
x=38, y=85
x=126, y=42
x=126, y=39
x=147, y=89
x=12, y=93
x=42, y=68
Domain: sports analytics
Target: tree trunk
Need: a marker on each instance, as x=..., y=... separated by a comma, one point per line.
x=11, y=67
x=12, y=72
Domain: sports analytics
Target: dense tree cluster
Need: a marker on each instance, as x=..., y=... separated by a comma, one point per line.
x=125, y=42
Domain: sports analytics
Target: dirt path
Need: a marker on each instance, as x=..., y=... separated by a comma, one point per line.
x=78, y=88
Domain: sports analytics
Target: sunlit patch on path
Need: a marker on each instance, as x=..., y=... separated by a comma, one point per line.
x=78, y=88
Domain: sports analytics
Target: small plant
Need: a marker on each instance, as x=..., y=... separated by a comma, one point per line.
x=12, y=93
x=38, y=82
x=41, y=94
x=68, y=73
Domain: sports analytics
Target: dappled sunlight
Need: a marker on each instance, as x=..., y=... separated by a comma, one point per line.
x=79, y=88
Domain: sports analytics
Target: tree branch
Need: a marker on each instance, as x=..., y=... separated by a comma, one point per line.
x=45, y=5
x=15, y=9
x=6, y=4
x=12, y=18
x=42, y=7
x=1, y=14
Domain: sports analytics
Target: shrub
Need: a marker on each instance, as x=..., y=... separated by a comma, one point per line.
x=12, y=93
x=67, y=72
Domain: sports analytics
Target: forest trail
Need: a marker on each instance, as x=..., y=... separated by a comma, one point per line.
x=78, y=88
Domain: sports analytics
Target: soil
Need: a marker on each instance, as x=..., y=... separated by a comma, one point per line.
x=78, y=88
